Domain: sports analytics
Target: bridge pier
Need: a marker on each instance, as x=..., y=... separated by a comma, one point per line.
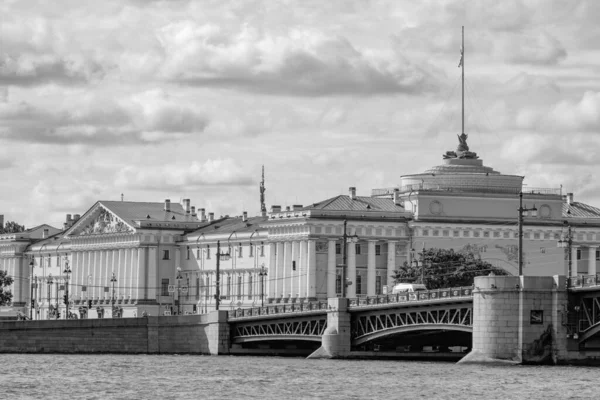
x=521, y=320
x=336, y=340
x=218, y=333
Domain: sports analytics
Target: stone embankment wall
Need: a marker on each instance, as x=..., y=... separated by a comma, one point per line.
x=196, y=334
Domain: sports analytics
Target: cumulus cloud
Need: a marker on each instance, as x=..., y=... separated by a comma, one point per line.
x=303, y=62
x=147, y=117
x=213, y=172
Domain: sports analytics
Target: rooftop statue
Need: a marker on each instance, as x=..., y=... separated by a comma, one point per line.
x=462, y=151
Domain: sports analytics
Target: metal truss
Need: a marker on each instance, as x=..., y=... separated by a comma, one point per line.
x=305, y=329
x=387, y=320
x=588, y=317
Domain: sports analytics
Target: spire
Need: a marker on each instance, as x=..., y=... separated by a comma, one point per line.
x=263, y=207
x=462, y=64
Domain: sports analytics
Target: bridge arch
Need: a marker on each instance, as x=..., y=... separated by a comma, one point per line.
x=411, y=328
x=589, y=333
x=271, y=338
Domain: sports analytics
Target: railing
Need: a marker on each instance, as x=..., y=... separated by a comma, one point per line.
x=420, y=296
x=465, y=188
x=580, y=281
x=278, y=309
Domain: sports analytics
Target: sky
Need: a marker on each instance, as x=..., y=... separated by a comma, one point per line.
x=188, y=99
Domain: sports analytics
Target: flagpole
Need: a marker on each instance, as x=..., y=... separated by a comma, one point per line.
x=462, y=58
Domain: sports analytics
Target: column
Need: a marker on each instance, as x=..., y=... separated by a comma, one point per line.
x=574, y=260
x=331, y=268
x=287, y=269
x=278, y=272
x=135, y=281
x=295, y=278
x=95, y=277
x=311, y=270
x=270, y=281
x=351, y=269
x=140, y=268
x=391, y=263
x=371, y=268
x=303, y=269
x=592, y=260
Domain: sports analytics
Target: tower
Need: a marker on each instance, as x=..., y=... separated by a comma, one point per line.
x=263, y=207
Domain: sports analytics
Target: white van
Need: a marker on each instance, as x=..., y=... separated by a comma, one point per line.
x=408, y=287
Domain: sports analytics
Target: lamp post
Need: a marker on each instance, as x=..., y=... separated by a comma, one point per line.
x=224, y=256
x=521, y=211
x=567, y=242
x=113, y=280
x=67, y=271
x=179, y=278
x=346, y=239
x=50, y=282
x=32, y=265
x=262, y=274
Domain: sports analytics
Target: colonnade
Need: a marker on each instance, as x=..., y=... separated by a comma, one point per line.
x=92, y=271
x=588, y=255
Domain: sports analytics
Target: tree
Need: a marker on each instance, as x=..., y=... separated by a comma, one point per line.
x=5, y=295
x=441, y=268
x=12, y=227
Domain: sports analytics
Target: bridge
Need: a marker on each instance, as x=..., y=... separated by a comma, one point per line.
x=391, y=321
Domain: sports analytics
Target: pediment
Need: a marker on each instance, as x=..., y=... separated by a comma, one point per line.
x=99, y=220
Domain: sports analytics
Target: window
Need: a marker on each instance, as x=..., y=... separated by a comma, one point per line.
x=239, y=288
x=456, y=233
x=338, y=284
x=435, y=232
x=445, y=233
x=187, y=253
x=338, y=248
x=378, y=285
x=486, y=234
x=197, y=287
x=207, y=290
x=358, y=284
x=496, y=234
x=251, y=251
x=198, y=253
x=578, y=254
x=240, y=251
x=506, y=235
x=377, y=249
x=262, y=249
x=165, y=254
x=250, y=287
x=465, y=233
x=597, y=255
x=425, y=232
x=208, y=252
x=357, y=248
x=228, y=286
x=164, y=287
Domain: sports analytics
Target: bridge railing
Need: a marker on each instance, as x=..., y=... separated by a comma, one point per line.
x=278, y=309
x=420, y=296
x=580, y=281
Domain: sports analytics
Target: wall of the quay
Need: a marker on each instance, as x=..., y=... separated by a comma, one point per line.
x=196, y=334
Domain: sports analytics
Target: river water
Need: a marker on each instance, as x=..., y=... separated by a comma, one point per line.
x=70, y=377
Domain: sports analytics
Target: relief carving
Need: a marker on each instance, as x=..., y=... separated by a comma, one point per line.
x=105, y=222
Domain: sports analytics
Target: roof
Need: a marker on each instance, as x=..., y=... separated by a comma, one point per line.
x=130, y=211
x=580, y=210
x=360, y=203
x=230, y=225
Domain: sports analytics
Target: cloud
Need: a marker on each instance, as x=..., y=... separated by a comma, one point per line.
x=537, y=48
x=30, y=70
x=148, y=117
x=217, y=172
x=302, y=63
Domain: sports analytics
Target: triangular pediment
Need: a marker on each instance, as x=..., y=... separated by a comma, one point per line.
x=97, y=221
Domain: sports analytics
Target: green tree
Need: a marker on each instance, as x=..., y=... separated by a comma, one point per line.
x=441, y=268
x=12, y=227
x=5, y=295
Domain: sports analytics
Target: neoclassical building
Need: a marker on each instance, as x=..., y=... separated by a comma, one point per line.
x=465, y=205
x=164, y=256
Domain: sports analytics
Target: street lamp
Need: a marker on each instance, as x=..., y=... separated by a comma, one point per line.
x=523, y=210
x=225, y=257
x=32, y=265
x=50, y=282
x=346, y=239
x=67, y=271
x=179, y=278
x=113, y=279
x=567, y=242
x=262, y=274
